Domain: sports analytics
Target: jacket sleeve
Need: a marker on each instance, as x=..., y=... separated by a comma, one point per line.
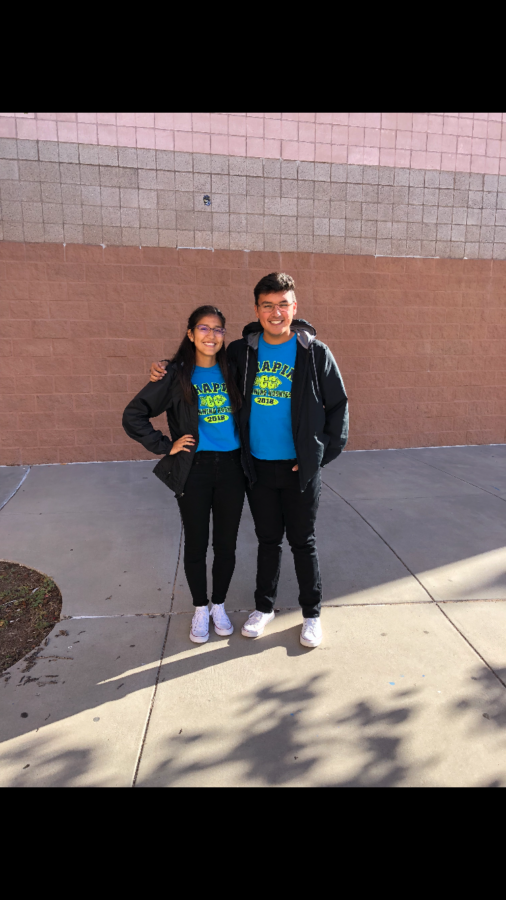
x=335, y=402
x=151, y=401
x=233, y=362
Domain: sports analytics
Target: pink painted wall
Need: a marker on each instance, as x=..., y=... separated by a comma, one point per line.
x=461, y=142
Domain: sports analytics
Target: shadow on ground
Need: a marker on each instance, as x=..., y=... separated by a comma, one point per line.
x=291, y=725
x=320, y=729
x=393, y=697
x=275, y=748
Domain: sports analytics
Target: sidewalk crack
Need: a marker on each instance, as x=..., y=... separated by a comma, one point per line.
x=25, y=476
x=458, y=477
x=155, y=686
x=381, y=538
x=441, y=610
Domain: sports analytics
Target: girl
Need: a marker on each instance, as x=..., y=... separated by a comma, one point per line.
x=203, y=461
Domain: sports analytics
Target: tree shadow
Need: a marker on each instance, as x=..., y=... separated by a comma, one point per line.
x=54, y=684
x=295, y=730
x=304, y=735
x=487, y=699
x=278, y=746
x=290, y=735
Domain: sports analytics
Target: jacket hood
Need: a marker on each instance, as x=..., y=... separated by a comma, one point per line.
x=304, y=331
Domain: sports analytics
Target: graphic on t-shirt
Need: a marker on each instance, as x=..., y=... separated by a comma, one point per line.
x=264, y=388
x=270, y=423
x=217, y=427
x=211, y=400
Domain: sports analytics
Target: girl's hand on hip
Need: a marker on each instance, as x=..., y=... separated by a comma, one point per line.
x=181, y=443
x=157, y=371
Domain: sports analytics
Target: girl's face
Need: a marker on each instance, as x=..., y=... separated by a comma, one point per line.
x=208, y=342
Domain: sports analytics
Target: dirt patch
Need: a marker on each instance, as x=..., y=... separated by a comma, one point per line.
x=30, y=605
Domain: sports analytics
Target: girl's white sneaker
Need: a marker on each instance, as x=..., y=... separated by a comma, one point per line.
x=199, y=632
x=222, y=624
x=311, y=634
x=255, y=623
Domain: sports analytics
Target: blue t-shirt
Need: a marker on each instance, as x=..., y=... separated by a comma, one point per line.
x=217, y=428
x=270, y=425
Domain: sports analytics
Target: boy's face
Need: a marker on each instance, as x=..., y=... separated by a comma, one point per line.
x=276, y=312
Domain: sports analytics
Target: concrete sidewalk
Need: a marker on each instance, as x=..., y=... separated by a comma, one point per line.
x=407, y=688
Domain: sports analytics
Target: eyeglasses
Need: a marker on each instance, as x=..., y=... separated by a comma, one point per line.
x=269, y=307
x=205, y=329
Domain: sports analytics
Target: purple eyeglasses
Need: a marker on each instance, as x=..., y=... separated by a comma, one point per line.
x=205, y=329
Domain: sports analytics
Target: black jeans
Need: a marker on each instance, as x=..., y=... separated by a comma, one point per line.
x=216, y=482
x=277, y=503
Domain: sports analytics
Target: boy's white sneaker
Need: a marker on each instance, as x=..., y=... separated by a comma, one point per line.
x=222, y=624
x=311, y=633
x=199, y=632
x=255, y=623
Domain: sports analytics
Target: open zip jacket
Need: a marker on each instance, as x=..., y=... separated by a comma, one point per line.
x=157, y=397
x=319, y=401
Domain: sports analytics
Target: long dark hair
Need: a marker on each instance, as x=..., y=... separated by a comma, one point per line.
x=185, y=357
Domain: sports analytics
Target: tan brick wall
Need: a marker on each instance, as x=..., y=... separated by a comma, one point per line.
x=420, y=342
x=54, y=192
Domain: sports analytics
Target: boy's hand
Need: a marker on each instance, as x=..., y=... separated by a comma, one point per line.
x=157, y=371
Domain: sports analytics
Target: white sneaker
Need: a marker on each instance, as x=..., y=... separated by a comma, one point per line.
x=255, y=623
x=311, y=634
x=199, y=632
x=222, y=624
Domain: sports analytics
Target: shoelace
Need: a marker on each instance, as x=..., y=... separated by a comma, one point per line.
x=218, y=613
x=311, y=625
x=255, y=617
x=199, y=615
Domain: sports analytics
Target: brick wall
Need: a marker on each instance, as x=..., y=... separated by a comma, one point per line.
x=420, y=342
x=57, y=192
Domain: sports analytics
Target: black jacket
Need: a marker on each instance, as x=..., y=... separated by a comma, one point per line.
x=154, y=399
x=319, y=401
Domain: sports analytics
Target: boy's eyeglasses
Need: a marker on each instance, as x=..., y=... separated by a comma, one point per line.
x=269, y=307
x=205, y=329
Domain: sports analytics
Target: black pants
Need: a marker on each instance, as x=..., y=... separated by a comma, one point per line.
x=277, y=503
x=216, y=482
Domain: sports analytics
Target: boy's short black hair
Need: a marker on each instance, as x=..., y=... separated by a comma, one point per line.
x=275, y=283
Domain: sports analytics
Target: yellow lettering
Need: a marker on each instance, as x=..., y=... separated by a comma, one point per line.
x=215, y=419
x=266, y=401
